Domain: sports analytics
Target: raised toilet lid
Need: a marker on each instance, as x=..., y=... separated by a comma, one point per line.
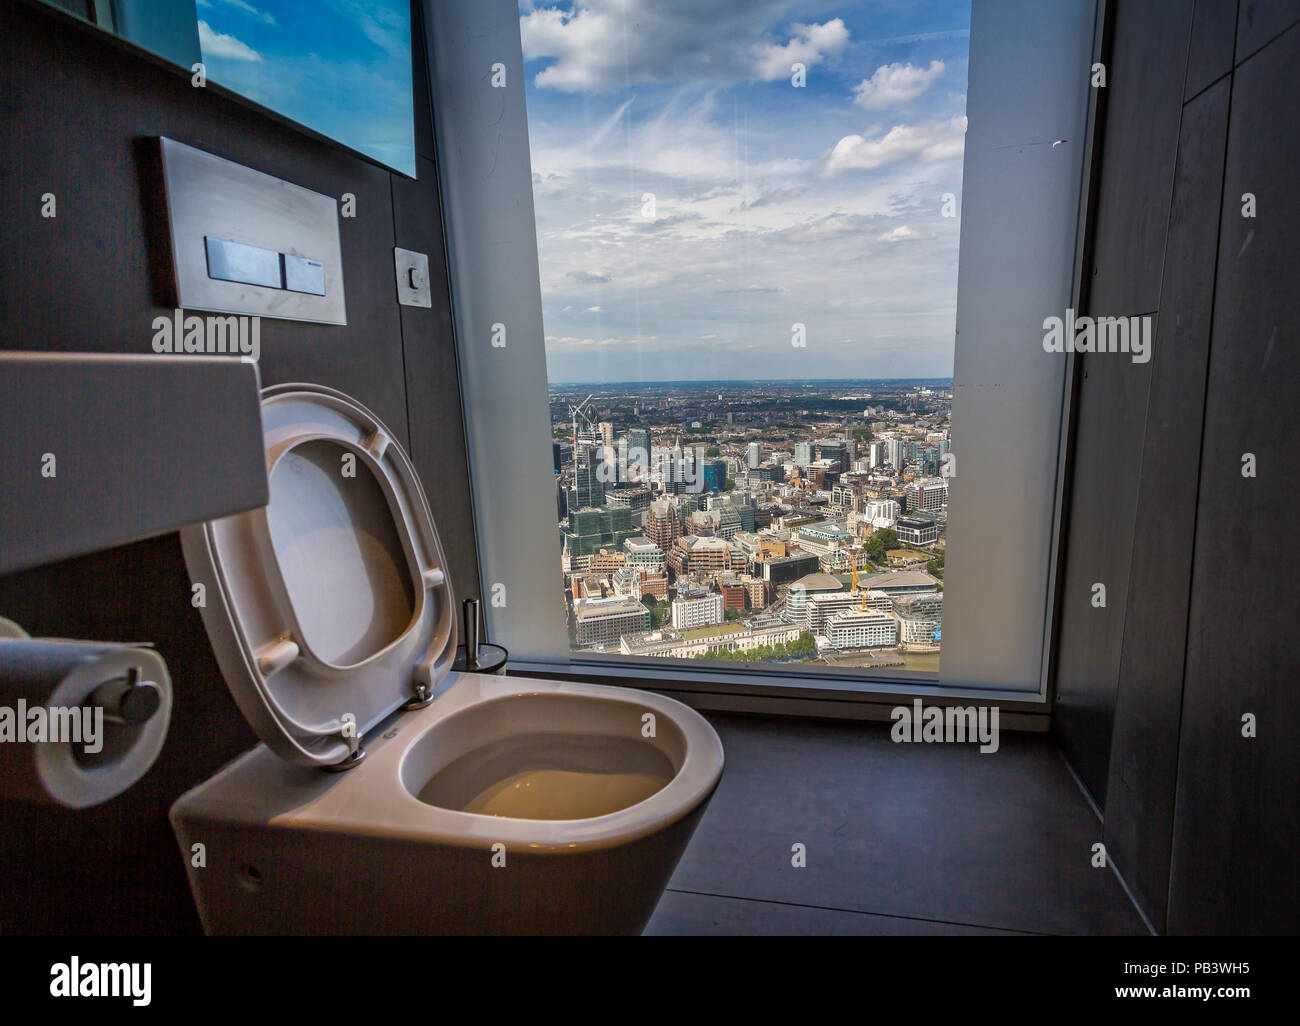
x=330, y=607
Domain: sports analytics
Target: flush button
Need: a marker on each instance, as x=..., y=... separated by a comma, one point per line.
x=247, y=265
x=302, y=274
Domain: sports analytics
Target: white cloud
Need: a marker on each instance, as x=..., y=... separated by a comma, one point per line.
x=937, y=140
x=898, y=234
x=247, y=8
x=598, y=45
x=892, y=84
x=218, y=44
x=593, y=309
x=573, y=343
x=811, y=44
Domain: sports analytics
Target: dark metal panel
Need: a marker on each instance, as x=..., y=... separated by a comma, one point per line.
x=1261, y=21
x=1144, y=102
x=433, y=382
x=1144, y=746
x=1214, y=28
x=1111, y=408
x=1236, y=839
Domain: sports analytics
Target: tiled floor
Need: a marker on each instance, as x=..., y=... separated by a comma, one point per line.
x=899, y=839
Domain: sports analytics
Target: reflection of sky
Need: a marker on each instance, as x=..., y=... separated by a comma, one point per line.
x=775, y=205
x=340, y=67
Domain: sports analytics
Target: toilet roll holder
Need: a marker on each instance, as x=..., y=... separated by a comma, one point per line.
x=127, y=700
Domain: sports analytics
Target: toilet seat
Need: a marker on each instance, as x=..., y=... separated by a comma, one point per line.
x=331, y=607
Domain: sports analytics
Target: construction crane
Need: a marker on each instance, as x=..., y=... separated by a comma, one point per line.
x=854, y=555
x=580, y=410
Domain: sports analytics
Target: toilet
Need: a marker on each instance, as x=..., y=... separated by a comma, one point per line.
x=390, y=793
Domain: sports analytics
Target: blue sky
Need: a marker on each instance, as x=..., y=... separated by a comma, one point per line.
x=341, y=67
x=772, y=204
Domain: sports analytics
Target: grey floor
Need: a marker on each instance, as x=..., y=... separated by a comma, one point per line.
x=899, y=839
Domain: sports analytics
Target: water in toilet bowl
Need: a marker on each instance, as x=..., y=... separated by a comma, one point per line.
x=550, y=776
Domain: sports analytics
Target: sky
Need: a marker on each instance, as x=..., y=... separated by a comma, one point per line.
x=772, y=204
x=341, y=67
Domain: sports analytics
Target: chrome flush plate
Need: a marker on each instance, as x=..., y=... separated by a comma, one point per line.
x=412, y=278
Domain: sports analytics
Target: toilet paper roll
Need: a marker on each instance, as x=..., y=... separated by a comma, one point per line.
x=56, y=746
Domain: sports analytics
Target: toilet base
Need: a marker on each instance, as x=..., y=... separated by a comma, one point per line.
x=284, y=881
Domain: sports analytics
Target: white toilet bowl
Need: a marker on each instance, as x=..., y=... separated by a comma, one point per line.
x=471, y=803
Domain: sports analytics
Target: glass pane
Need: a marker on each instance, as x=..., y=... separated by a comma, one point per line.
x=340, y=67
x=748, y=227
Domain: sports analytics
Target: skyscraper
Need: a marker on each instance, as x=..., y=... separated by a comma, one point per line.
x=662, y=525
x=588, y=487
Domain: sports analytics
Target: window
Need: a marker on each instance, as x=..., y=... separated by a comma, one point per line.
x=753, y=239
x=747, y=240
x=340, y=67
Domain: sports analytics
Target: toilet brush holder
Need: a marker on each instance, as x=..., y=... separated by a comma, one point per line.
x=475, y=656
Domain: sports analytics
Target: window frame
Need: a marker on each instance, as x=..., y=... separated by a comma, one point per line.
x=467, y=37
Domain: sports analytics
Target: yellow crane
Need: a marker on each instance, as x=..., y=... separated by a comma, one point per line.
x=854, y=556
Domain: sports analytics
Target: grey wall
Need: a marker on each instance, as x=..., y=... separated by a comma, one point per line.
x=78, y=116
x=1202, y=105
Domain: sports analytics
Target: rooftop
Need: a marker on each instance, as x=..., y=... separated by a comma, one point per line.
x=818, y=582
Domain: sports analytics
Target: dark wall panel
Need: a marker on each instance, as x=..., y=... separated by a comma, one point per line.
x=78, y=117
x=1214, y=30
x=1236, y=840
x=1140, y=131
x=1112, y=401
x=1261, y=21
x=433, y=384
x=1144, y=749
x=1144, y=92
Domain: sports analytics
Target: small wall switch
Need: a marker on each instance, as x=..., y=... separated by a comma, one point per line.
x=412, y=278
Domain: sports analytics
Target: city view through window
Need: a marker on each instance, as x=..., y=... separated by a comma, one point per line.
x=747, y=236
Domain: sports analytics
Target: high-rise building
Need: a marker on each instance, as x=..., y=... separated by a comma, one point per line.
x=638, y=448
x=882, y=512
x=636, y=498
x=836, y=451
x=696, y=607
x=896, y=452
x=715, y=475
x=643, y=555
x=928, y=495
x=854, y=628
x=593, y=529
x=755, y=454
x=662, y=524
x=602, y=621
x=803, y=454
x=588, y=483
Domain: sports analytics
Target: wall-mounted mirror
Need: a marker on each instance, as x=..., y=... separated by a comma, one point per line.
x=339, y=67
